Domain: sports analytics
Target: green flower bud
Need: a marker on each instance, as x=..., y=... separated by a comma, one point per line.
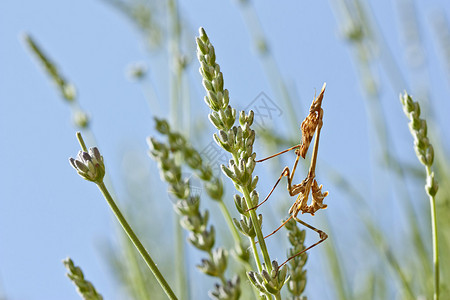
x=90, y=165
x=257, y=281
x=215, y=119
x=219, y=256
x=208, y=268
x=241, y=206
x=207, y=85
x=69, y=92
x=245, y=226
x=203, y=241
x=228, y=172
x=162, y=126
x=81, y=119
x=214, y=189
x=180, y=189
x=205, y=173
x=432, y=186
x=254, y=197
x=201, y=46
x=222, y=141
x=230, y=291
x=188, y=207
x=84, y=287
x=241, y=252
x=253, y=184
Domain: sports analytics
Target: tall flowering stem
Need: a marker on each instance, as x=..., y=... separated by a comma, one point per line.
x=66, y=89
x=212, y=183
x=187, y=205
x=90, y=166
x=297, y=283
x=238, y=140
x=425, y=153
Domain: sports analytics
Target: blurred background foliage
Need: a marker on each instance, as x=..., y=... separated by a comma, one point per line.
x=378, y=219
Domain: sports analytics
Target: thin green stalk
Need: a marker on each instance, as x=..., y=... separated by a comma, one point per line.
x=175, y=74
x=90, y=166
x=334, y=259
x=396, y=266
x=180, y=267
x=175, y=70
x=435, y=238
x=278, y=296
x=255, y=252
x=364, y=34
x=380, y=242
x=213, y=185
x=137, y=243
x=238, y=141
x=137, y=283
x=229, y=220
x=81, y=142
x=391, y=161
x=237, y=236
x=254, y=217
x=374, y=233
x=425, y=153
x=68, y=92
x=260, y=236
x=192, y=219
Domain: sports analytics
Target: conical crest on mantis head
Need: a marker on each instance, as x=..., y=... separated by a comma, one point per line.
x=311, y=122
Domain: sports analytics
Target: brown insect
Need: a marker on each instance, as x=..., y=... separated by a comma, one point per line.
x=310, y=126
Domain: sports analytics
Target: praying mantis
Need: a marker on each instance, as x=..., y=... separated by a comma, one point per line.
x=311, y=125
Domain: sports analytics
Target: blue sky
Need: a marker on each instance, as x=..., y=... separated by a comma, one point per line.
x=48, y=213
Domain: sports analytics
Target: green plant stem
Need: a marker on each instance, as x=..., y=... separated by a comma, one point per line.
x=380, y=242
x=335, y=260
x=255, y=252
x=262, y=243
x=378, y=119
x=435, y=239
x=174, y=56
x=135, y=283
x=278, y=296
x=236, y=235
x=260, y=236
x=229, y=220
x=175, y=74
x=375, y=234
x=145, y=255
x=395, y=265
x=179, y=262
x=81, y=142
x=256, y=226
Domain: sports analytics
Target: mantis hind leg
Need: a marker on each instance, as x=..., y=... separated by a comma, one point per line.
x=322, y=235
